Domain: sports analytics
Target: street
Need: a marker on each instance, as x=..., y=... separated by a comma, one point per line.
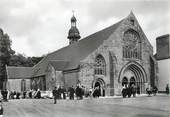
x=156, y=106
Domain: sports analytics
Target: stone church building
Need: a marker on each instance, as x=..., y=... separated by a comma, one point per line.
x=117, y=55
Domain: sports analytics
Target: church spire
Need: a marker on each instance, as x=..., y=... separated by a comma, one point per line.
x=73, y=34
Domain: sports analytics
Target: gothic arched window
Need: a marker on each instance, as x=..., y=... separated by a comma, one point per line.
x=131, y=45
x=100, y=65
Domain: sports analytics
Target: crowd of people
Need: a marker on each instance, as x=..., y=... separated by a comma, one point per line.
x=129, y=90
x=151, y=90
x=77, y=92
x=20, y=95
x=71, y=92
x=132, y=90
x=61, y=92
x=25, y=94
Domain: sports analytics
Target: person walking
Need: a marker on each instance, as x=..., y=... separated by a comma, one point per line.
x=24, y=94
x=138, y=90
x=155, y=90
x=129, y=91
x=167, y=89
x=78, y=91
x=30, y=93
x=64, y=93
x=71, y=91
x=55, y=95
x=149, y=90
x=17, y=95
x=124, y=91
x=134, y=90
x=5, y=95
x=38, y=95
x=59, y=92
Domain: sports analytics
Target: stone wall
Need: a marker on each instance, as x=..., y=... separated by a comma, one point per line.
x=164, y=74
x=114, y=44
x=50, y=78
x=163, y=49
x=15, y=84
x=71, y=78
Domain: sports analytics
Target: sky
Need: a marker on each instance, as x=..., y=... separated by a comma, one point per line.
x=38, y=27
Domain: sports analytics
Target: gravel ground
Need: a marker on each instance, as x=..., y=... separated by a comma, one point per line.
x=143, y=106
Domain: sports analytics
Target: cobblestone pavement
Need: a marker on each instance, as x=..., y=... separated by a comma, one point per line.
x=157, y=106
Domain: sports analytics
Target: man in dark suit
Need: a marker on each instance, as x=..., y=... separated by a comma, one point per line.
x=71, y=90
x=55, y=95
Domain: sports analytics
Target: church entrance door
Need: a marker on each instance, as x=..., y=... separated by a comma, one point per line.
x=133, y=74
x=99, y=83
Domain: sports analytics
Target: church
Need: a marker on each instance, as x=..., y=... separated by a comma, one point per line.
x=110, y=58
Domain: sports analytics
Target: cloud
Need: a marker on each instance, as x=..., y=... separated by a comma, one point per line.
x=37, y=27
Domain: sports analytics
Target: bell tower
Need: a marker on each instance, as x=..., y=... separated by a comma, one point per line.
x=73, y=34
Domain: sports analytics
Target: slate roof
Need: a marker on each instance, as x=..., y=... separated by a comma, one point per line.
x=59, y=65
x=19, y=72
x=76, y=52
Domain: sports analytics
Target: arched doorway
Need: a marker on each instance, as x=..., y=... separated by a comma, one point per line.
x=99, y=83
x=133, y=73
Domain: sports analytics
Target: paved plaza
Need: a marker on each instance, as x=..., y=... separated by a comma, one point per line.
x=143, y=106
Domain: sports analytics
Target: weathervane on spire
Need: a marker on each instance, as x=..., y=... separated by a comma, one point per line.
x=73, y=34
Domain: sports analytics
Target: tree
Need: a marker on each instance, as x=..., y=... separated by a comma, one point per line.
x=35, y=60
x=5, y=54
x=22, y=60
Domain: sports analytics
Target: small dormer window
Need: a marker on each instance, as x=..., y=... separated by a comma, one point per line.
x=132, y=21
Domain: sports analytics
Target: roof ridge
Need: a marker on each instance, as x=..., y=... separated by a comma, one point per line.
x=59, y=60
x=86, y=37
x=102, y=29
x=18, y=67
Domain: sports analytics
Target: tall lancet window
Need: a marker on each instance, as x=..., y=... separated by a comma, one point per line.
x=131, y=45
x=100, y=65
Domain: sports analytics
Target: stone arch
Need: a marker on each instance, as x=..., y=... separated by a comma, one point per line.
x=100, y=80
x=101, y=83
x=136, y=71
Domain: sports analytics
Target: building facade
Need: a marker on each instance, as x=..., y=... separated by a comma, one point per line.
x=163, y=60
x=19, y=78
x=115, y=56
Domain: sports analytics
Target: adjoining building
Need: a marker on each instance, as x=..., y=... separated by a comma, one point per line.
x=117, y=55
x=19, y=78
x=163, y=60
